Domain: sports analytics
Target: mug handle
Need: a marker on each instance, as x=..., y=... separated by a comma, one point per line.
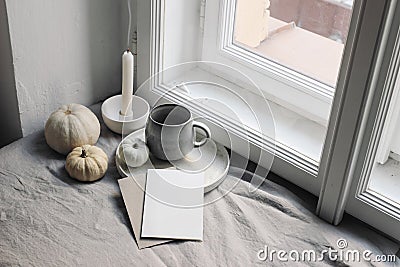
x=200, y=125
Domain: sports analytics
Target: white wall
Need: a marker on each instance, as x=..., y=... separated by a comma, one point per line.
x=10, y=129
x=64, y=51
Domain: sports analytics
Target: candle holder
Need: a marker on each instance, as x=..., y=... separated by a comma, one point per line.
x=111, y=113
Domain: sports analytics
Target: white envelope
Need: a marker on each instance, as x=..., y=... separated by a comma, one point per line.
x=132, y=189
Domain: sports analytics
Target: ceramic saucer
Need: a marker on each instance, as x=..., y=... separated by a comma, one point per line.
x=211, y=158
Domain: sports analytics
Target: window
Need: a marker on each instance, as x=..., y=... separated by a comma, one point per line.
x=171, y=33
x=190, y=34
x=362, y=112
x=292, y=49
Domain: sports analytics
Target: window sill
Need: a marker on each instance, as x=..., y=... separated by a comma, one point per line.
x=298, y=140
x=295, y=132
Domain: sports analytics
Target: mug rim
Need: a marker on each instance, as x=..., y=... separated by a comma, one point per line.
x=170, y=125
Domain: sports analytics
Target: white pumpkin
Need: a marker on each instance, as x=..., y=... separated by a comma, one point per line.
x=86, y=163
x=133, y=152
x=71, y=126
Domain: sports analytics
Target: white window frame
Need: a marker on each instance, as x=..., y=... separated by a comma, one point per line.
x=298, y=92
x=289, y=163
x=360, y=111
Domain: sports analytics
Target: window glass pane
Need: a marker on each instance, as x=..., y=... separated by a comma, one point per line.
x=385, y=174
x=307, y=36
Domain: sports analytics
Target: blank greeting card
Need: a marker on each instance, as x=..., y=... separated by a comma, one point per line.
x=173, y=206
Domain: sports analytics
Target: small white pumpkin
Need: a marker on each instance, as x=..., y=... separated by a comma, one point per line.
x=71, y=126
x=134, y=152
x=87, y=163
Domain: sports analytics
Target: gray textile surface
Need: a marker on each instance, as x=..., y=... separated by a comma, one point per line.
x=48, y=219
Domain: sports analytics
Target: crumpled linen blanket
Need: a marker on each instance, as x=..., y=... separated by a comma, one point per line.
x=49, y=219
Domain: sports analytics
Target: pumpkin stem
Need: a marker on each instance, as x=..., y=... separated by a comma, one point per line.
x=83, y=155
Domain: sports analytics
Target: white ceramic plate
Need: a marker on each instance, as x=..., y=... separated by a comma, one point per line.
x=211, y=158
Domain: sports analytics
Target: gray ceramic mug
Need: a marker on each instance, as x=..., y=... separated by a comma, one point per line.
x=170, y=133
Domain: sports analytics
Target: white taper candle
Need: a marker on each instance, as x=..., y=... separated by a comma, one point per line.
x=127, y=83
